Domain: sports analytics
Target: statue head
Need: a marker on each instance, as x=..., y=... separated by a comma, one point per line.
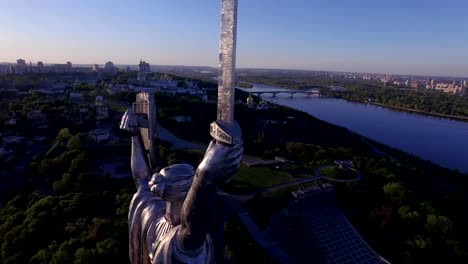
x=172, y=183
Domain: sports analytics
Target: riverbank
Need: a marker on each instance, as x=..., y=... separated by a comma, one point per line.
x=392, y=127
x=461, y=118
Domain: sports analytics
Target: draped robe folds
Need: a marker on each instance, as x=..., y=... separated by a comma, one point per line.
x=152, y=238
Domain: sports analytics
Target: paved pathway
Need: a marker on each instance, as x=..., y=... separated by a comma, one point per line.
x=176, y=142
x=316, y=177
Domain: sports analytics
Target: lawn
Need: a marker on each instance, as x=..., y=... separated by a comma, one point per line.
x=251, y=179
x=336, y=173
x=246, y=178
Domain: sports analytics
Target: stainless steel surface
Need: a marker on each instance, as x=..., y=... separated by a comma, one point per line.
x=145, y=108
x=156, y=209
x=129, y=122
x=227, y=61
x=224, y=129
x=230, y=135
x=220, y=162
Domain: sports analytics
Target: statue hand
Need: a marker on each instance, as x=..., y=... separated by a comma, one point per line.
x=129, y=122
x=220, y=162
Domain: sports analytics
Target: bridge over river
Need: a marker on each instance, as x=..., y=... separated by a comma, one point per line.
x=290, y=92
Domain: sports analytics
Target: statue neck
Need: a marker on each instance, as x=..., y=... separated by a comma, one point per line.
x=173, y=210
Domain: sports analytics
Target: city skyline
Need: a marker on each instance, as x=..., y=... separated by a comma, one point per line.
x=418, y=38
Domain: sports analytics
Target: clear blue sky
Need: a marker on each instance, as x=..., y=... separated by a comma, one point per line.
x=393, y=36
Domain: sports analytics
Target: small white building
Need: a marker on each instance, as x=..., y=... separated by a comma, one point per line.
x=102, y=110
x=250, y=102
x=95, y=68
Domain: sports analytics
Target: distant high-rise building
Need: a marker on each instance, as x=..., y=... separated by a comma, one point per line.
x=143, y=69
x=128, y=69
x=109, y=67
x=20, y=66
x=69, y=66
x=40, y=66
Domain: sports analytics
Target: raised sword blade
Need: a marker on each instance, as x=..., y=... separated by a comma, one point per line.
x=225, y=129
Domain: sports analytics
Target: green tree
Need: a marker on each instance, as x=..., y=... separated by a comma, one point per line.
x=172, y=159
x=45, y=109
x=107, y=248
x=406, y=213
x=97, y=229
x=41, y=256
x=65, y=253
x=74, y=142
x=64, y=185
x=394, y=191
x=85, y=256
x=63, y=134
x=426, y=207
x=439, y=224
x=80, y=163
x=164, y=152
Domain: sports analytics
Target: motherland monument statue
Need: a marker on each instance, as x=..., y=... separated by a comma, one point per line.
x=173, y=210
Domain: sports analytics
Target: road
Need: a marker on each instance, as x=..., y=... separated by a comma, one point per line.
x=177, y=143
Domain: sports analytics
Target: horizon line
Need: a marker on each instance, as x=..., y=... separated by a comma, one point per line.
x=252, y=68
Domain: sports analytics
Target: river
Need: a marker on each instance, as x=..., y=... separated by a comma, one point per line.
x=440, y=140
